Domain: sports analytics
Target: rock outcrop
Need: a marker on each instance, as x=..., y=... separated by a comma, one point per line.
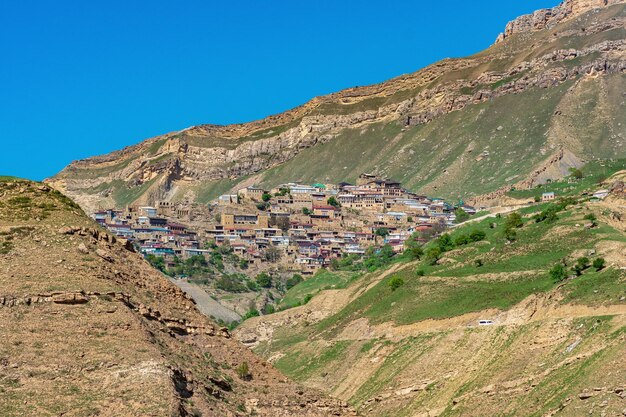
x=546, y=18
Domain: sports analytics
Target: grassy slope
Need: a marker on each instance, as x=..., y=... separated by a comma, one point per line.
x=441, y=156
x=314, y=355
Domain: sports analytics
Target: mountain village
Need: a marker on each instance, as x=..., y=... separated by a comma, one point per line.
x=304, y=226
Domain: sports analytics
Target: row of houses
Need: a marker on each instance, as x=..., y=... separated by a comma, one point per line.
x=300, y=226
x=313, y=224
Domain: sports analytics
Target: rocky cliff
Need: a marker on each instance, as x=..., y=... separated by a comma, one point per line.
x=89, y=328
x=520, y=88
x=546, y=18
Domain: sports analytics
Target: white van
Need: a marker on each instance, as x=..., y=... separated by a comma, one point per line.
x=485, y=322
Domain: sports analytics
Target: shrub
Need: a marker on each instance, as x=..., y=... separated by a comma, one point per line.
x=415, y=252
x=599, y=264
x=478, y=263
x=382, y=232
x=461, y=215
x=420, y=272
x=445, y=243
x=461, y=240
x=395, y=282
x=230, y=283
x=264, y=280
x=477, y=235
x=576, y=173
x=293, y=281
x=433, y=255
x=514, y=220
x=558, y=273
x=243, y=371
x=510, y=235
x=582, y=263
x=332, y=201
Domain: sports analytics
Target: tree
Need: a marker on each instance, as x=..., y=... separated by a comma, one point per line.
x=510, y=235
x=433, y=254
x=266, y=197
x=156, y=261
x=413, y=247
x=306, y=211
x=382, y=232
x=264, y=280
x=599, y=264
x=445, y=242
x=461, y=215
x=415, y=252
x=514, y=221
x=332, y=201
x=395, y=282
x=558, y=273
x=478, y=263
x=272, y=254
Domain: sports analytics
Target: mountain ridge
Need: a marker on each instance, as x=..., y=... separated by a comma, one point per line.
x=184, y=164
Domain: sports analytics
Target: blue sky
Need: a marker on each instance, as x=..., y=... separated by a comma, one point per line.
x=82, y=78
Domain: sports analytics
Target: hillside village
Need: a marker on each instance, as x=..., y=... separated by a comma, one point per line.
x=304, y=227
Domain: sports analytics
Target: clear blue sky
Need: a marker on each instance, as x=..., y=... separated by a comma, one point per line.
x=81, y=78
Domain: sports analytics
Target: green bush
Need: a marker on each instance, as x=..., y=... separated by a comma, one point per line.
x=599, y=264
x=395, y=282
x=293, y=281
x=433, y=254
x=581, y=265
x=461, y=215
x=477, y=235
x=264, y=280
x=558, y=273
x=514, y=221
x=461, y=240
x=243, y=371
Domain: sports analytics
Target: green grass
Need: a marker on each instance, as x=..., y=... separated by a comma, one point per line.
x=596, y=288
x=322, y=280
x=301, y=365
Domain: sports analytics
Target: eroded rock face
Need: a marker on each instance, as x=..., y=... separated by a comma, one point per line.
x=545, y=18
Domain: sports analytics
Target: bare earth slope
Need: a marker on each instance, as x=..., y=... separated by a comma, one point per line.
x=547, y=96
x=89, y=328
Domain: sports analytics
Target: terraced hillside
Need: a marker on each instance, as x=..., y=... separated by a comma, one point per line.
x=89, y=328
x=546, y=97
x=406, y=341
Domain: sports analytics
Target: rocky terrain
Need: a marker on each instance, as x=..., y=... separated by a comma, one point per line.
x=89, y=328
x=552, y=348
x=552, y=86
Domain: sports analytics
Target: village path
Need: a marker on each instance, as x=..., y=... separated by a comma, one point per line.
x=207, y=305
